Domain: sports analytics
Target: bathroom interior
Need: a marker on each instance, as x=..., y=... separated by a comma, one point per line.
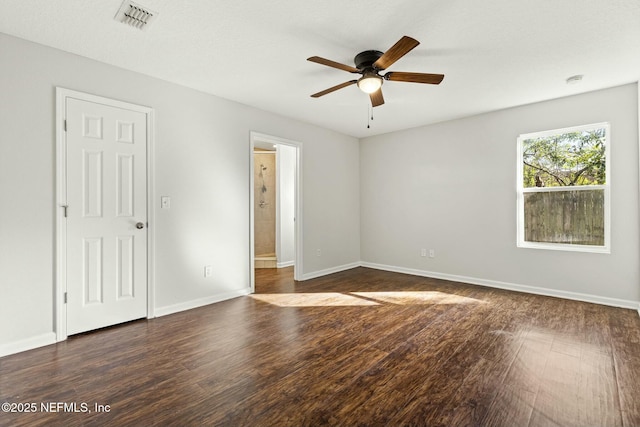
x=274, y=205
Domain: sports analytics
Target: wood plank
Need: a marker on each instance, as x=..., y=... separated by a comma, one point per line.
x=497, y=342
x=625, y=342
x=359, y=347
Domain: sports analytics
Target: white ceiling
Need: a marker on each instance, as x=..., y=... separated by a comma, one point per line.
x=494, y=53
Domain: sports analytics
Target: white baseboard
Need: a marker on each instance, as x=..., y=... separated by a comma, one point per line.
x=509, y=286
x=188, y=305
x=285, y=264
x=27, y=344
x=331, y=270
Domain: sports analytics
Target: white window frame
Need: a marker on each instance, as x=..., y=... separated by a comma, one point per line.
x=521, y=190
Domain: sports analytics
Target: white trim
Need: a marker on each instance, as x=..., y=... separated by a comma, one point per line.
x=285, y=264
x=188, y=305
x=614, y=302
x=298, y=268
x=60, y=308
x=27, y=344
x=252, y=252
x=298, y=232
x=579, y=128
x=565, y=247
x=278, y=160
x=520, y=191
x=331, y=270
x=558, y=189
x=151, y=216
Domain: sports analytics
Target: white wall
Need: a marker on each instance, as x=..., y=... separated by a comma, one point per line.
x=201, y=161
x=452, y=187
x=286, y=176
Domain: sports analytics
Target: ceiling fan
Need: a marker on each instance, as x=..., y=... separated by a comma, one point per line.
x=370, y=62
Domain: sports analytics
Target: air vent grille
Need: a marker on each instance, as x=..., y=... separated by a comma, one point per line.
x=135, y=15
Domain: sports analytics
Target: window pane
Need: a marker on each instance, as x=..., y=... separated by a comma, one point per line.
x=570, y=217
x=565, y=159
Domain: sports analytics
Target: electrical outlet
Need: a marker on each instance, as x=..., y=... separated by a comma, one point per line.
x=318, y=252
x=432, y=253
x=208, y=271
x=423, y=252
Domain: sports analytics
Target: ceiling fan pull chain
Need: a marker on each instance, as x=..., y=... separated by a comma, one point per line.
x=369, y=116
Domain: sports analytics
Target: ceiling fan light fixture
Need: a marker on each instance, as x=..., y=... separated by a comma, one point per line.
x=370, y=83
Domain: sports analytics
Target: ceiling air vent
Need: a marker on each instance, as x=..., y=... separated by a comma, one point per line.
x=135, y=15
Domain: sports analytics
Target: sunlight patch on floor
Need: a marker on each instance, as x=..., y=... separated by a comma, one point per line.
x=321, y=299
x=417, y=298
x=335, y=299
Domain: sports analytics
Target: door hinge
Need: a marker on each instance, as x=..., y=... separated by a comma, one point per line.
x=65, y=125
x=65, y=297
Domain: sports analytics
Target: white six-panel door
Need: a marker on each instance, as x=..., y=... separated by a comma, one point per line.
x=106, y=218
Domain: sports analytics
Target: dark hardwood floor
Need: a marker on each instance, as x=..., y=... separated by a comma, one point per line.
x=357, y=348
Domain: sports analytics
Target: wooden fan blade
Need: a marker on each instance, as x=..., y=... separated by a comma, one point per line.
x=395, y=52
x=330, y=63
x=376, y=98
x=398, y=76
x=334, y=88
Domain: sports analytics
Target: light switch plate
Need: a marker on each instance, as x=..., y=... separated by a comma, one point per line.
x=165, y=202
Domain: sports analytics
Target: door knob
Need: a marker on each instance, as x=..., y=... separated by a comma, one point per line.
x=140, y=225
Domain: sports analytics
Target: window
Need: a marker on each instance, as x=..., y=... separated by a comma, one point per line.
x=563, y=189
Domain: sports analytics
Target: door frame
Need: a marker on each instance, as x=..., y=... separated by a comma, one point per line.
x=60, y=287
x=298, y=229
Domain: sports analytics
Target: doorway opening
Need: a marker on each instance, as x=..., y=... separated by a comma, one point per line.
x=275, y=204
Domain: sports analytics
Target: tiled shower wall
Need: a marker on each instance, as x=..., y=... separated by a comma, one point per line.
x=265, y=203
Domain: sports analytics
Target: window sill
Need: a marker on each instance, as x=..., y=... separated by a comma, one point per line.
x=565, y=247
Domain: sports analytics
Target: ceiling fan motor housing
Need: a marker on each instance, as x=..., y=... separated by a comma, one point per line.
x=364, y=60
